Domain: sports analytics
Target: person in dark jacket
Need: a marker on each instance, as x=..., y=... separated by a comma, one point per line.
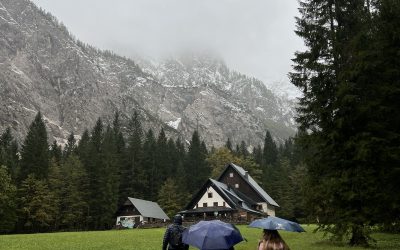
x=173, y=235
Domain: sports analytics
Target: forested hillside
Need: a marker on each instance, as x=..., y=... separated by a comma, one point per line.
x=48, y=188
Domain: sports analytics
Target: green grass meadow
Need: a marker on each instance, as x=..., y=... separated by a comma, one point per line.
x=148, y=239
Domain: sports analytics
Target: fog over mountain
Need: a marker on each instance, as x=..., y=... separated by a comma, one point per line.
x=254, y=37
x=45, y=68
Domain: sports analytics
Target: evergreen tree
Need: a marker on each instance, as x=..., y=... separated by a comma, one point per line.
x=258, y=155
x=120, y=158
x=163, y=162
x=8, y=206
x=9, y=153
x=196, y=163
x=150, y=166
x=349, y=77
x=181, y=175
x=270, y=151
x=94, y=165
x=56, y=183
x=383, y=110
x=55, y=152
x=133, y=176
x=35, y=151
x=243, y=149
x=36, y=208
x=172, y=158
x=83, y=149
x=105, y=200
x=75, y=200
x=70, y=147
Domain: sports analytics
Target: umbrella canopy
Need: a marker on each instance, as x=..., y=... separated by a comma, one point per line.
x=276, y=223
x=210, y=235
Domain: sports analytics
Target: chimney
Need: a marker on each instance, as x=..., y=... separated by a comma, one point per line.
x=246, y=175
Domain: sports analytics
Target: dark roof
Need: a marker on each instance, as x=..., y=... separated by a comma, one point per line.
x=148, y=209
x=235, y=201
x=234, y=196
x=252, y=183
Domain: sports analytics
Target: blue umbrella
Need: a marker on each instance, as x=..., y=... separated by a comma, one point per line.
x=276, y=223
x=215, y=234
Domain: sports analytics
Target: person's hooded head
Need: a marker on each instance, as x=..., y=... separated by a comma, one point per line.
x=178, y=219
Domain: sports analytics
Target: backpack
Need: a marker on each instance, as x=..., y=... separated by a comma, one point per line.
x=175, y=239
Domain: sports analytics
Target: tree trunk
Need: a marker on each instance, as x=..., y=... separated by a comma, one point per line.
x=358, y=237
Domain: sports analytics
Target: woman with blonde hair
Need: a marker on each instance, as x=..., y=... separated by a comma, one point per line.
x=272, y=241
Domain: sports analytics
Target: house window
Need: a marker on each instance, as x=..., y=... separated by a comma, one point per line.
x=209, y=195
x=223, y=204
x=231, y=175
x=236, y=185
x=205, y=204
x=215, y=204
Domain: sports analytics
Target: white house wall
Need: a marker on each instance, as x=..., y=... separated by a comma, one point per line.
x=210, y=201
x=269, y=209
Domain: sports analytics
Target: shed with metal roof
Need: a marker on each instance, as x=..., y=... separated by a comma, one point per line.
x=135, y=212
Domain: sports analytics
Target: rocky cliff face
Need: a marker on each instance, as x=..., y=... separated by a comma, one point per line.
x=42, y=67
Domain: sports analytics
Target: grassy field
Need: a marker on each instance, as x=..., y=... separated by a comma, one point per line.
x=148, y=239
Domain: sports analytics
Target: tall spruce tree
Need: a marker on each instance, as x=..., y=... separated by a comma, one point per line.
x=162, y=159
x=133, y=176
x=270, y=151
x=172, y=158
x=196, y=165
x=93, y=162
x=120, y=157
x=180, y=173
x=75, y=207
x=383, y=109
x=35, y=151
x=348, y=86
x=150, y=166
x=83, y=150
x=107, y=182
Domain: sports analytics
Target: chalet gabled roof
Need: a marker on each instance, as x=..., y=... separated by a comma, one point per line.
x=148, y=209
x=235, y=197
x=251, y=182
x=216, y=185
x=228, y=194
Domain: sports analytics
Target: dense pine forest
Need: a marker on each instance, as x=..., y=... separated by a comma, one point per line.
x=79, y=186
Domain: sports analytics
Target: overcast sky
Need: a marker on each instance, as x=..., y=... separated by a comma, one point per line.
x=255, y=37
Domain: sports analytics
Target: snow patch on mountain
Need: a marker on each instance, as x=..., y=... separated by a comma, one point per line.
x=174, y=124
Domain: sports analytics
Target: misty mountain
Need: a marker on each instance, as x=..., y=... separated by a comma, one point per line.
x=44, y=68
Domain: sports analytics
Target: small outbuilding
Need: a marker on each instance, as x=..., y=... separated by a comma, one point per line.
x=135, y=212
